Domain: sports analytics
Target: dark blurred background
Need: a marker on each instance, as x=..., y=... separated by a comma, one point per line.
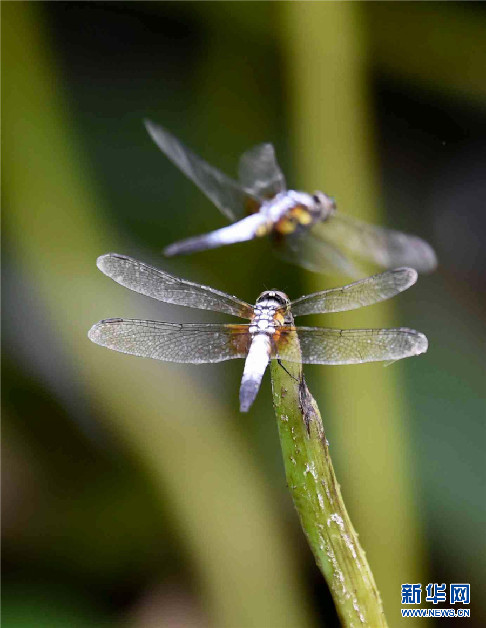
x=134, y=492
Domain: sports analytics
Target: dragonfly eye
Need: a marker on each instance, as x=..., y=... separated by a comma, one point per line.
x=275, y=296
x=282, y=298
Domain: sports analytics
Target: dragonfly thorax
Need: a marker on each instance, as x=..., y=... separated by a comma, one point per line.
x=295, y=212
x=269, y=313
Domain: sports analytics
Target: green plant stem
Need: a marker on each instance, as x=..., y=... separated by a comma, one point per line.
x=317, y=498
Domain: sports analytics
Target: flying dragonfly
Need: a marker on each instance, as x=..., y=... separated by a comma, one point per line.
x=306, y=229
x=270, y=333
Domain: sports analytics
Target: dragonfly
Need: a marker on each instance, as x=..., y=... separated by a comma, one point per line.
x=270, y=333
x=305, y=229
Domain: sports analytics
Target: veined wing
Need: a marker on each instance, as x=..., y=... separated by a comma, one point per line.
x=318, y=345
x=172, y=342
x=224, y=192
x=305, y=249
x=358, y=294
x=259, y=172
x=386, y=247
x=159, y=285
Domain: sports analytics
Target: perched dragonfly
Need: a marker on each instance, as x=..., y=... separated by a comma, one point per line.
x=270, y=334
x=306, y=229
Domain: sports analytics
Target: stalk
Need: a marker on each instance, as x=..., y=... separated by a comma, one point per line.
x=318, y=500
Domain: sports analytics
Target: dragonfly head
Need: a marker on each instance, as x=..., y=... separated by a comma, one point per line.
x=324, y=205
x=275, y=301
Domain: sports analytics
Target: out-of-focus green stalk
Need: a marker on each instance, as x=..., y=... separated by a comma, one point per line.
x=331, y=115
x=317, y=498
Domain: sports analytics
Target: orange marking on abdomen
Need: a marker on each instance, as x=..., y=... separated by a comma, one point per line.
x=302, y=215
x=264, y=229
x=298, y=215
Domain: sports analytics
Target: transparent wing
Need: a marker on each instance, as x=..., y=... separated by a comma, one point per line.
x=305, y=249
x=385, y=247
x=159, y=285
x=357, y=294
x=318, y=345
x=259, y=172
x=194, y=344
x=225, y=193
